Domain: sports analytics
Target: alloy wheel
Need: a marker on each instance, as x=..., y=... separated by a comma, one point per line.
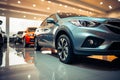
x=63, y=48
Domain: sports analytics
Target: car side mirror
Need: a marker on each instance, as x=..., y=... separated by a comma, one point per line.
x=0, y=22
x=50, y=20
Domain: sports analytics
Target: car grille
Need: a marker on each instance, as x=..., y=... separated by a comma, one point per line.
x=114, y=46
x=114, y=27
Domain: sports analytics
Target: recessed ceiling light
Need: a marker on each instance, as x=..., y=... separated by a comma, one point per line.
x=90, y=12
x=48, y=8
x=19, y=2
x=42, y=0
x=34, y=17
x=34, y=5
x=80, y=9
x=60, y=4
x=101, y=3
x=58, y=11
x=110, y=7
x=49, y=1
x=73, y=8
x=24, y=16
x=65, y=6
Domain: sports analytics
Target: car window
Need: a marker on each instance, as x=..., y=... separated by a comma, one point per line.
x=54, y=17
x=31, y=29
x=44, y=23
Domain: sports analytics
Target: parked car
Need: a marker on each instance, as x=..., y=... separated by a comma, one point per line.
x=28, y=36
x=1, y=36
x=72, y=34
x=18, y=38
x=4, y=37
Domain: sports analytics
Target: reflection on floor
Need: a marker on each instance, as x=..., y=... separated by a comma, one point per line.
x=20, y=63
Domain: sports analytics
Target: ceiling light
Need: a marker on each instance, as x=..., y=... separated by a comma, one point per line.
x=48, y=8
x=73, y=8
x=110, y=7
x=58, y=11
x=34, y=5
x=24, y=16
x=34, y=17
x=65, y=6
x=90, y=12
x=80, y=9
x=42, y=0
x=19, y=2
x=118, y=0
x=60, y=4
x=101, y=3
x=49, y=1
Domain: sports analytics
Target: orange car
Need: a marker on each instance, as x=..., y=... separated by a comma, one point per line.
x=28, y=36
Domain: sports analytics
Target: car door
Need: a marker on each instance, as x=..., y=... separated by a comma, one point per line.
x=48, y=32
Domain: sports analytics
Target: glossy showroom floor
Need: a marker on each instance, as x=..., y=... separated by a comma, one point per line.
x=20, y=63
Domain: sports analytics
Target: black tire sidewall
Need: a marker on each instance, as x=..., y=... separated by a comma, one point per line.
x=70, y=56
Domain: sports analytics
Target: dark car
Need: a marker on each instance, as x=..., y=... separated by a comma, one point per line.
x=1, y=36
x=18, y=38
x=73, y=34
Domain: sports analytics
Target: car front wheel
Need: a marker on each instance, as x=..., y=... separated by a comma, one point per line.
x=65, y=50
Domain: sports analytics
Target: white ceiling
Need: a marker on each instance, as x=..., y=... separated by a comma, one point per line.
x=40, y=9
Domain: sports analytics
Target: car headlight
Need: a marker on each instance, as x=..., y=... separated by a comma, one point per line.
x=81, y=23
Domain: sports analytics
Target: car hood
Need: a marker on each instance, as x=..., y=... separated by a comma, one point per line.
x=90, y=19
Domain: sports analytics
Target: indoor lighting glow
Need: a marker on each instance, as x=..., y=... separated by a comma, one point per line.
x=48, y=8
x=118, y=0
x=60, y=4
x=58, y=11
x=34, y=5
x=19, y=2
x=90, y=12
x=42, y=0
x=34, y=17
x=24, y=16
x=73, y=8
x=65, y=6
x=49, y=1
x=110, y=7
x=101, y=3
x=80, y=10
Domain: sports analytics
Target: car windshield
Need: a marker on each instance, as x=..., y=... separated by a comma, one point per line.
x=65, y=15
x=31, y=29
x=20, y=32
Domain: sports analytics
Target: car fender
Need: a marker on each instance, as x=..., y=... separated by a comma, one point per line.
x=67, y=31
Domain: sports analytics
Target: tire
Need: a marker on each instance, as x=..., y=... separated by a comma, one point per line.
x=65, y=49
x=24, y=43
x=37, y=47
